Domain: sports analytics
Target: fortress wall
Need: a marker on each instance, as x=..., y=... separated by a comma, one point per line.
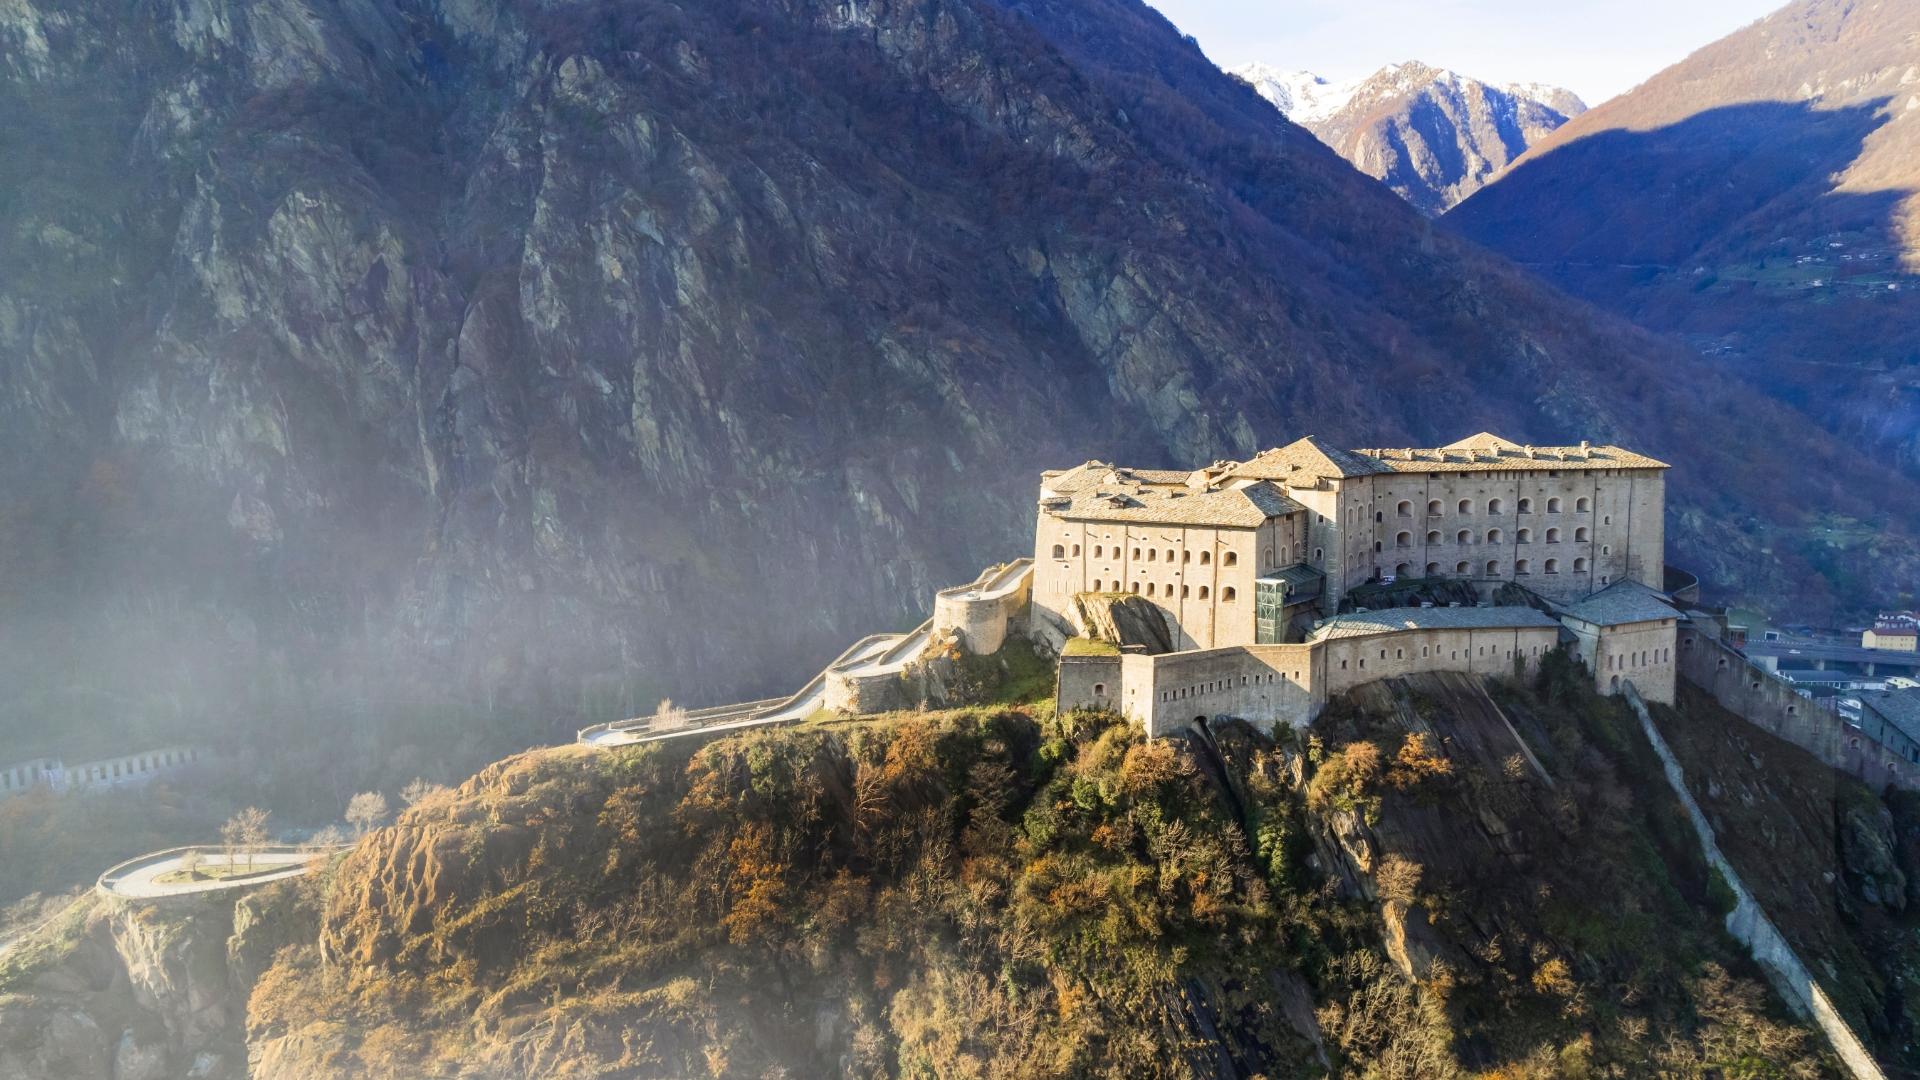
x=1352, y=662
x=1773, y=705
x=981, y=623
x=1088, y=682
x=127, y=770
x=1266, y=685
x=1613, y=653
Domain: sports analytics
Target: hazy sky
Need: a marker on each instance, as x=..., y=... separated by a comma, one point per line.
x=1595, y=49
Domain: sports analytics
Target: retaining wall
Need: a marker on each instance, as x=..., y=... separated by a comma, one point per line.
x=1774, y=706
x=1750, y=926
x=982, y=613
x=1088, y=682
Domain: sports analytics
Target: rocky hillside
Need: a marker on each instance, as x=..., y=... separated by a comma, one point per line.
x=1759, y=199
x=1434, y=884
x=394, y=372
x=1434, y=136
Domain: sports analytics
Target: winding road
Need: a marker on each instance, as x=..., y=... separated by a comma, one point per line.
x=139, y=879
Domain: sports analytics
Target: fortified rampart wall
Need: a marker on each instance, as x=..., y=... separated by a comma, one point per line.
x=1774, y=706
x=128, y=770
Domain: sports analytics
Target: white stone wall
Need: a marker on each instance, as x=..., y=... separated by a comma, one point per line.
x=1581, y=529
x=1201, y=578
x=53, y=774
x=1271, y=685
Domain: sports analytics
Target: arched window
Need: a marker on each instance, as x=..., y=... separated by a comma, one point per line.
x=1580, y=535
x=1466, y=507
x=1433, y=508
x=1405, y=539
x=1134, y=588
x=1405, y=509
x=1522, y=567
x=1433, y=537
x=1231, y=558
x=1098, y=551
x=1493, y=568
x=1579, y=566
x=1526, y=506
x=1149, y=588
x=1136, y=554
x=1402, y=570
x=1463, y=537
x=1099, y=689
x=1433, y=569
x=1581, y=506
x=1170, y=554
x=1186, y=556
x=1059, y=551
x=1553, y=506
x=1493, y=536
x=1206, y=557
x=1495, y=506
x=1463, y=569
x=1270, y=560
x=1153, y=555
x=1205, y=592
x=1076, y=551
x=1319, y=554
x=1553, y=566
x=1096, y=584
x=1226, y=595
x=1185, y=591
x=1553, y=536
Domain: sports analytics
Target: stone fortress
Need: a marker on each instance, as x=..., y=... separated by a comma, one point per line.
x=1266, y=587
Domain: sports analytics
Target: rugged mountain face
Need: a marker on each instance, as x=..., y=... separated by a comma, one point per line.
x=551, y=357
x=1434, y=136
x=1758, y=198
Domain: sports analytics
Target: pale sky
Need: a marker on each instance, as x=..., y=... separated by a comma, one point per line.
x=1595, y=49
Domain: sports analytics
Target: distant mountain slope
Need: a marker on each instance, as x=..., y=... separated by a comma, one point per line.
x=1432, y=135
x=1758, y=197
x=407, y=367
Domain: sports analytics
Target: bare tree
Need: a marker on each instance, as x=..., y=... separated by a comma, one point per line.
x=366, y=811
x=326, y=839
x=190, y=862
x=247, y=829
x=669, y=717
x=419, y=789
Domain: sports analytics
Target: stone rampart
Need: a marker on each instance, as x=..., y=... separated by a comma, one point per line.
x=1773, y=705
x=981, y=614
x=1088, y=682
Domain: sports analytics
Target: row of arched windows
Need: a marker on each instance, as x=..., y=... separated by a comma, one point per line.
x=1152, y=555
x=1620, y=661
x=1494, y=536
x=1228, y=594
x=1436, y=508
x=1199, y=689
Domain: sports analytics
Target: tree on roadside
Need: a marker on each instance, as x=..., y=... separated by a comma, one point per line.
x=366, y=811
x=326, y=839
x=247, y=829
x=669, y=717
x=190, y=863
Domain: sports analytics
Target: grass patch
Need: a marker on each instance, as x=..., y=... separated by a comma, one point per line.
x=1084, y=646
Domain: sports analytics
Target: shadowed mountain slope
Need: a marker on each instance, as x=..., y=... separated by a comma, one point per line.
x=549, y=358
x=1757, y=198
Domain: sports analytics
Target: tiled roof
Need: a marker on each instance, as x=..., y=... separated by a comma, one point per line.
x=1096, y=474
x=1622, y=602
x=1308, y=457
x=1245, y=507
x=1299, y=575
x=1395, y=620
x=1486, y=452
x=1901, y=708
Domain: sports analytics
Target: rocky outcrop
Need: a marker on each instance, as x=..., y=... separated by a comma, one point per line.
x=1124, y=620
x=146, y=990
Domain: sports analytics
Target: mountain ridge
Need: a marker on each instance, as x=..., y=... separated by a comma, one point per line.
x=1431, y=134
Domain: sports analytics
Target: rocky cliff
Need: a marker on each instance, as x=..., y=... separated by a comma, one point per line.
x=394, y=371
x=144, y=991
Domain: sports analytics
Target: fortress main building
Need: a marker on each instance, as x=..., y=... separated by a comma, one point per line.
x=1251, y=565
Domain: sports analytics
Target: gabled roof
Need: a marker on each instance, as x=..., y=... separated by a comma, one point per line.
x=1095, y=474
x=1308, y=457
x=1486, y=440
x=1620, y=603
x=1394, y=620
x=1237, y=508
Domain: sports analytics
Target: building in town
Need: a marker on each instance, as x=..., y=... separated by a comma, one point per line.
x=1896, y=632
